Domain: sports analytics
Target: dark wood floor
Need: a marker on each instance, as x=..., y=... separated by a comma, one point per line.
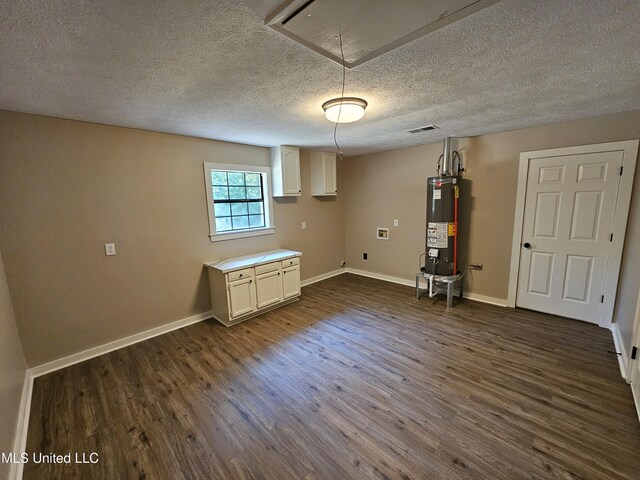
x=356, y=380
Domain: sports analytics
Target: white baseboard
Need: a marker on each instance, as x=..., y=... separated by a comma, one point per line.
x=22, y=428
x=324, y=276
x=623, y=359
x=154, y=332
x=139, y=337
x=20, y=443
x=501, y=302
x=115, y=345
x=423, y=284
x=380, y=276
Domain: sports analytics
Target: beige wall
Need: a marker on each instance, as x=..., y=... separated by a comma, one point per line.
x=67, y=188
x=387, y=185
x=382, y=187
x=12, y=373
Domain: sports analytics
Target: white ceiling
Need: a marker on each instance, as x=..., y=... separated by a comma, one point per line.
x=213, y=69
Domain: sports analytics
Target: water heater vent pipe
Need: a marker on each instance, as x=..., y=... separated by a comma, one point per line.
x=447, y=167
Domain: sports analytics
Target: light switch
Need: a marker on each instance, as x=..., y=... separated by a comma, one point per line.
x=304, y=225
x=109, y=249
x=395, y=222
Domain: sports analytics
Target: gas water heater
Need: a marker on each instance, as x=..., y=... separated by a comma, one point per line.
x=443, y=193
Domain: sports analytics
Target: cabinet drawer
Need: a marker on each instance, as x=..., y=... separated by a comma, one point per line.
x=290, y=261
x=238, y=274
x=267, y=267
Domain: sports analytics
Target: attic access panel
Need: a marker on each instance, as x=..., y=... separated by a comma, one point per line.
x=369, y=27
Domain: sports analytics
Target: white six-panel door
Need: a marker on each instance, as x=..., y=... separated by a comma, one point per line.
x=568, y=221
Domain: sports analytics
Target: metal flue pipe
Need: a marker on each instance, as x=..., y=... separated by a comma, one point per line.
x=447, y=167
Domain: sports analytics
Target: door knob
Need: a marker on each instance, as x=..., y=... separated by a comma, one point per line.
x=526, y=245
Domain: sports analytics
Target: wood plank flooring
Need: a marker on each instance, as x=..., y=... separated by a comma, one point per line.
x=356, y=380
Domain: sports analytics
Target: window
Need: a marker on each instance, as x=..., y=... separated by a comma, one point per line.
x=238, y=200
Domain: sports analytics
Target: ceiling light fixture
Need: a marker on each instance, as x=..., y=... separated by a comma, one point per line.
x=344, y=110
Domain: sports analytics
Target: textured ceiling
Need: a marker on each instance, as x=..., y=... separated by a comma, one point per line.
x=213, y=69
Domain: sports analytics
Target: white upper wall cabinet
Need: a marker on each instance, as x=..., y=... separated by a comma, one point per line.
x=323, y=174
x=285, y=171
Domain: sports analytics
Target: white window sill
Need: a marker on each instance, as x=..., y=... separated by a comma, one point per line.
x=219, y=237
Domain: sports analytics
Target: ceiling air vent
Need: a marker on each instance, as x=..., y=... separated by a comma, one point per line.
x=426, y=128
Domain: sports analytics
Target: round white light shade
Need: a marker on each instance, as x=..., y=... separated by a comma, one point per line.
x=344, y=110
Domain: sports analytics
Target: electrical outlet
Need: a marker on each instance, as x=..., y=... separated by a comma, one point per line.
x=304, y=225
x=395, y=222
x=109, y=249
x=364, y=256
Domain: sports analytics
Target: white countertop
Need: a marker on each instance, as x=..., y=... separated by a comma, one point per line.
x=237, y=263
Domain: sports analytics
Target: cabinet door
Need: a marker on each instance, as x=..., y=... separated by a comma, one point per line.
x=285, y=171
x=241, y=297
x=268, y=289
x=291, y=171
x=330, y=184
x=323, y=174
x=291, y=282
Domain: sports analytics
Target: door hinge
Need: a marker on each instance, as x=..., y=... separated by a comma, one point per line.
x=634, y=350
x=602, y=299
x=621, y=168
x=611, y=238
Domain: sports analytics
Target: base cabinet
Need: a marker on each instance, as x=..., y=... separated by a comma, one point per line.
x=241, y=297
x=268, y=289
x=291, y=282
x=243, y=287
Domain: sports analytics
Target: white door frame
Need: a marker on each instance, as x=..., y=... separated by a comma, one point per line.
x=630, y=155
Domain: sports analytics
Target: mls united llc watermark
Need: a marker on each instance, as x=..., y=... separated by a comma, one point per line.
x=69, y=457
